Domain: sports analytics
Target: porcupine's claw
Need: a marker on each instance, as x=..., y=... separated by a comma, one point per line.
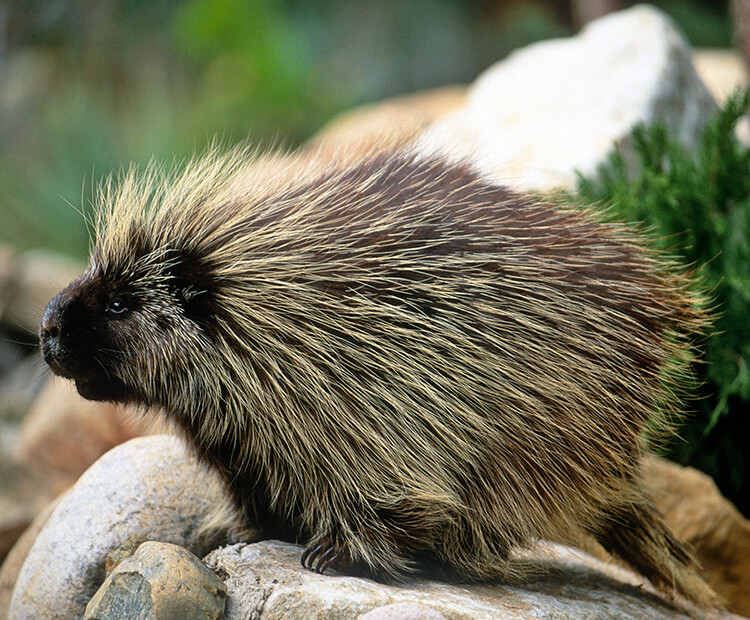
x=319, y=558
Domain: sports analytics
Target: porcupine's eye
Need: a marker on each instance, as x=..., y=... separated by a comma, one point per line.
x=116, y=307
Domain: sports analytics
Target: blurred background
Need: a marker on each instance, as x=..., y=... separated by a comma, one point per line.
x=87, y=86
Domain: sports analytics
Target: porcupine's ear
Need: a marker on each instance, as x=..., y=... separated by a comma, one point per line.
x=194, y=286
x=196, y=302
x=188, y=293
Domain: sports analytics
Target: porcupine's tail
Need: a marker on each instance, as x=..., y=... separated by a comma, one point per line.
x=637, y=534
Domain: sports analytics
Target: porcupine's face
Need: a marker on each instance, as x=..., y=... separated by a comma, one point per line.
x=117, y=335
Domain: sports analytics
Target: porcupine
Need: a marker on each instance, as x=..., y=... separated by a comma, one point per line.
x=391, y=360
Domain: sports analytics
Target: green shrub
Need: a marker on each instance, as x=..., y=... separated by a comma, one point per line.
x=698, y=206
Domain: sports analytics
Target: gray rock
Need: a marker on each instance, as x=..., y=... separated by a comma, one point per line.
x=160, y=581
x=149, y=488
x=266, y=580
x=402, y=611
x=555, y=107
x=13, y=563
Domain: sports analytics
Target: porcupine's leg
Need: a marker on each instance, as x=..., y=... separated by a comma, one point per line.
x=361, y=556
x=404, y=541
x=384, y=546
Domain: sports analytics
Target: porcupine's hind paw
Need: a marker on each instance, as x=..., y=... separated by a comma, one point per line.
x=324, y=554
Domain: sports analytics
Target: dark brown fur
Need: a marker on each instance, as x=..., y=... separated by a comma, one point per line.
x=390, y=360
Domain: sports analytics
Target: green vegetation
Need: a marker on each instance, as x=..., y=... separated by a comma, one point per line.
x=698, y=206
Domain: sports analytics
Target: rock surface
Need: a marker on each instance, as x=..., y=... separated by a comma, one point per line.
x=20, y=384
x=394, y=121
x=22, y=496
x=698, y=514
x=557, y=107
x=63, y=434
x=149, y=488
x=403, y=611
x=160, y=581
x=724, y=72
x=13, y=563
x=265, y=580
x=60, y=437
x=30, y=281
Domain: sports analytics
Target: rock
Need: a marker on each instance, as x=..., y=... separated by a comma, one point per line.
x=150, y=488
x=11, y=567
x=698, y=514
x=38, y=276
x=265, y=580
x=57, y=441
x=722, y=71
x=394, y=121
x=20, y=385
x=24, y=494
x=13, y=523
x=60, y=437
x=160, y=581
x=403, y=611
x=557, y=107
x=63, y=434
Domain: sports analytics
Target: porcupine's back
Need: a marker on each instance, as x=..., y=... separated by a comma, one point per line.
x=434, y=365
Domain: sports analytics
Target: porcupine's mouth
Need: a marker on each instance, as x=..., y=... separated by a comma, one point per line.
x=90, y=385
x=56, y=366
x=103, y=388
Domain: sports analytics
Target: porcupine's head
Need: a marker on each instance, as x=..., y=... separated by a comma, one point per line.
x=130, y=328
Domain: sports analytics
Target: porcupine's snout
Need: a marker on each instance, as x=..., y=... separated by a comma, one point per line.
x=53, y=344
x=75, y=344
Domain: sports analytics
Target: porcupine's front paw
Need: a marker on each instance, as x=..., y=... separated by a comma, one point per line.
x=380, y=563
x=324, y=554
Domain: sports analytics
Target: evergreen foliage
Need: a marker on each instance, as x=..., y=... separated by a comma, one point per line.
x=697, y=203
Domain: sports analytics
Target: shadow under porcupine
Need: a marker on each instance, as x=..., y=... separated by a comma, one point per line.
x=389, y=359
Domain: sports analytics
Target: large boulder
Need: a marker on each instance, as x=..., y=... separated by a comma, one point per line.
x=559, y=107
x=266, y=580
x=150, y=488
x=715, y=530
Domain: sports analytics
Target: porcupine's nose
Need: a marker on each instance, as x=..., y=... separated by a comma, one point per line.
x=50, y=330
x=50, y=325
